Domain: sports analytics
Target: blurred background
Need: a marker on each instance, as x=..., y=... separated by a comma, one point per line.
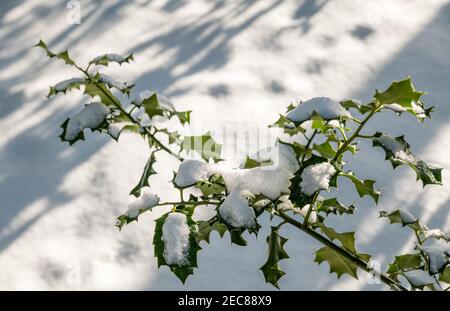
x=236, y=61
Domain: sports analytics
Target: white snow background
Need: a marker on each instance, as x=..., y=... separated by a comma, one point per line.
x=230, y=62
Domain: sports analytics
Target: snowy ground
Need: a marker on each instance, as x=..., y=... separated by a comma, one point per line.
x=231, y=62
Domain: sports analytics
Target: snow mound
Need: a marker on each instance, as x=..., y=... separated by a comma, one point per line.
x=90, y=117
x=418, y=278
x=63, y=85
x=397, y=148
x=316, y=177
x=175, y=234
x=270, y=181
x=236, y=211
x=147, y=200
x=326, y=107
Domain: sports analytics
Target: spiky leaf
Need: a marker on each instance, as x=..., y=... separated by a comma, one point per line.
x=148, y=171
x=276, y=252
x=363, y=187
x=398, y=152
x=182, y=271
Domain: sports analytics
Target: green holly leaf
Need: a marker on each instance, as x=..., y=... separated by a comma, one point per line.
x=148, y=171
x=152, y=106
x=402, y=217
x=183, y=116
x=363, y=187
x=206, y=227
x=106, y=59
x=66, y=86
x=325, y=149
x=64, y=56
x=400, y=92
x=182, y=270
x=401, y=96
x=205, y=145
x=288, y=126
x=333, y=206
x=338, y=263
x=445, y=275
x=101, y=91
x=214, y=186
x=404, y=263
x=123, y=87
x=347, y=239
x=398, y=152
x=276, y=252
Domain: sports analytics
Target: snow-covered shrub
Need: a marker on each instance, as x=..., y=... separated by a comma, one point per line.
x=291, y=192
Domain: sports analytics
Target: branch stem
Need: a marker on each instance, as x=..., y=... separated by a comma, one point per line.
x=359, y=262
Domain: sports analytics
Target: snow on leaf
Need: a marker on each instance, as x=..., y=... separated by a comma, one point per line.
x=100, y=91
x=236, y=211
x=276, y=252
x=438, y=256
x=402, y=217
x=326, y=107
x=93, y=116
x=145, y=202
x=398, y=152
x=105, y=59
x=436, y=234
x=316, y=177
x=175, y=244
x=66, y=86
x=418, y=278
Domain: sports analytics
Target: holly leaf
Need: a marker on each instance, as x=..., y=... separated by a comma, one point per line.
x=214, y=186
x=445, y=275
x=206, y=227
x=337, y=262
x=401, y=96
x=363, y=187
x=276, y=252
x=402, y=217
x=398, y=152
x=325, y=149
x=101, y=91
x=401, y=92
x=347, y=239
x=73, y=128
x=418, y=278
x=148, y=171
x=64, y=56
x=152, y=106
x=66, y=86
x=404, y=263
x=184, y=270
x=183, y=116
x=204, y=145
x=333, y=206
x=106, y=59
